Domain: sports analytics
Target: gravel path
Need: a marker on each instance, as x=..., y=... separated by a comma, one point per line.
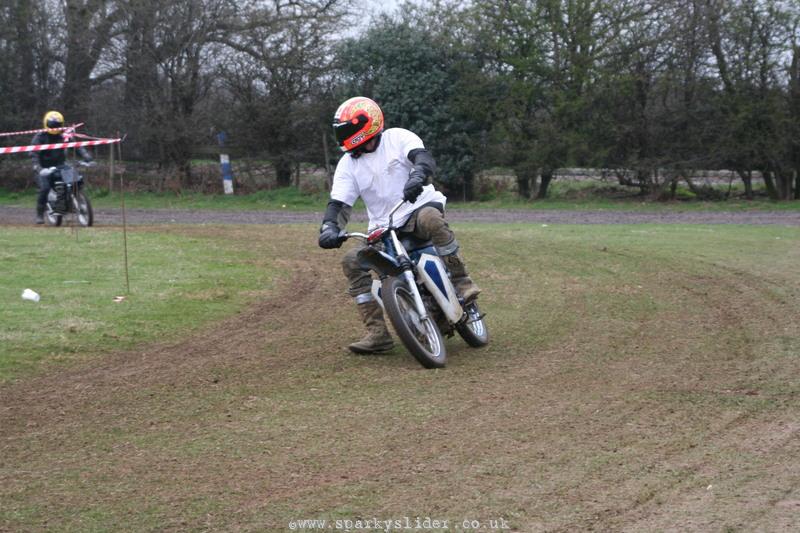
x=110, y=217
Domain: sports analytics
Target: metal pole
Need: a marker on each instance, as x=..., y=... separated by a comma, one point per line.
x=124, y=217
x=72, y=196
x=111, y=170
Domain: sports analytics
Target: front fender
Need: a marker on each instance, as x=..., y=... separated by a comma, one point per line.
x=379, y=261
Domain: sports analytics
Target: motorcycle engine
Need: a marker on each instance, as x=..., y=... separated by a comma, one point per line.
x=58, y=197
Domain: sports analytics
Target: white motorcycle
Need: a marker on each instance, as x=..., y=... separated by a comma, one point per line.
x=416, y=293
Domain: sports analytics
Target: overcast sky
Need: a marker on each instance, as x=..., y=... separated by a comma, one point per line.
x=376, y=7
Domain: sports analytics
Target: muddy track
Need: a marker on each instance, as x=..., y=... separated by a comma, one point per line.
x=264, y=416
x=112, y=217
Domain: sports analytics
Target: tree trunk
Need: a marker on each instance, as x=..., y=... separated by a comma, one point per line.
x=785, y=180
x=26, y=93
x=469, y=187
x=769, y=183
x=84, y=44
x=794, y=103
x=796, y=185
x=547, y=177
x=523, y=184
x=747, y=179
x=328, y=171
x=185, y=175
x=283, y=172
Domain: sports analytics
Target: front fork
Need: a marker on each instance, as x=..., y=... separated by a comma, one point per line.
x=408, y=275
x=422, y=311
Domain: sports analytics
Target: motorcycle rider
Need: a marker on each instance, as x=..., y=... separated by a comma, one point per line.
x=45, y=160
x=382, y=167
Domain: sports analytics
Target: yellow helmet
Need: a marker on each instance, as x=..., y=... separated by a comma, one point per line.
x=53, y=122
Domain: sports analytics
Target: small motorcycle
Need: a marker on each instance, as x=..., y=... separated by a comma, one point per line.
x=416, y=293
x=67, y=196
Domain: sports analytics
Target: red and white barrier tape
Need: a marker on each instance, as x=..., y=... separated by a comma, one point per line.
x=39, y=147
x=64, y=129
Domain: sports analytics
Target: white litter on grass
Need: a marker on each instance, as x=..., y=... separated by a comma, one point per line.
x=31, y=295
x=119, y=299
x=544, y=225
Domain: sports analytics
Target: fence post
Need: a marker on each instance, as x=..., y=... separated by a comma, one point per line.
x=225, y=164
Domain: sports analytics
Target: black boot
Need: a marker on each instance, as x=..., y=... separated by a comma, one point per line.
x=39, y=214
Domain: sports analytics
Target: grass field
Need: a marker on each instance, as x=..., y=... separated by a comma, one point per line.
x=177, y=283
x=639, y=378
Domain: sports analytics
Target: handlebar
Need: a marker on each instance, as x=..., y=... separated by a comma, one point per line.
x=393, y=211
x=344, y=235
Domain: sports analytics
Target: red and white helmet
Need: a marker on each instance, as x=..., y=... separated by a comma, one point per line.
x=357, y=120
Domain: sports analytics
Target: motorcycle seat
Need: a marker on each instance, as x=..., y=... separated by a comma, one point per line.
x=412, y=243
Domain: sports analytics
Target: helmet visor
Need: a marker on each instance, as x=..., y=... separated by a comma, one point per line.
x=346, y=130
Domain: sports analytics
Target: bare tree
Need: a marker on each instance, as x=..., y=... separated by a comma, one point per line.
x=177, y=54
x=278, y=78
x=89, y=28
x=26, y=62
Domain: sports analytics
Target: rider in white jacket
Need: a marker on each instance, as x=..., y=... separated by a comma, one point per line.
x=382, y=167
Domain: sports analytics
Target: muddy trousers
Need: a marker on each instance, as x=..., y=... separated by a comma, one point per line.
x=426, y=223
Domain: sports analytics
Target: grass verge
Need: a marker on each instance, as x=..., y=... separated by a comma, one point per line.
x=568, y=196
x=177, y=283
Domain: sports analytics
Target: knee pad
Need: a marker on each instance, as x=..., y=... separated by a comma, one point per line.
x=448, y=249
x=364, y=297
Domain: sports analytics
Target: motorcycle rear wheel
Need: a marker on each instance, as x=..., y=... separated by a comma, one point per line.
x=473, y=330
x=421, y=337
x=83, y=209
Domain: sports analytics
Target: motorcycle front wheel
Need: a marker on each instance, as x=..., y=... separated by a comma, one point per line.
x=473, y=328
x=83, y=209
x=422, y=337
x=53, y=218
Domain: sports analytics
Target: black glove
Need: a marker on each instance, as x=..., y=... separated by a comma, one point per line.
x=329, y=236
x=413, y=188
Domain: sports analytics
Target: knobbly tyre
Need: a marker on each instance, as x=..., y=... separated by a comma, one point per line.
x=415, y=291
x=67, y=196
